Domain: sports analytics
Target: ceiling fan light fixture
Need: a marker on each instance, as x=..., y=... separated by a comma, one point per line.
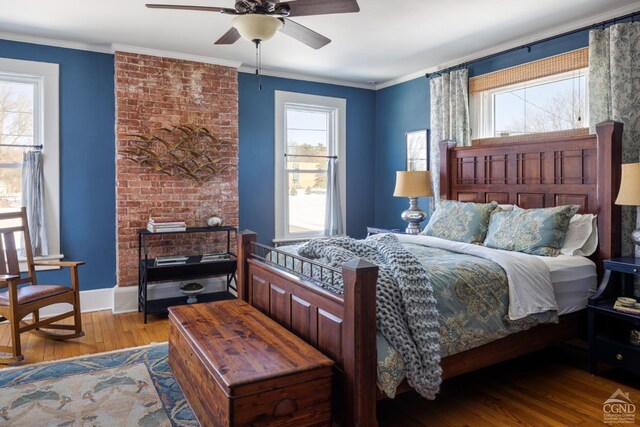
x=256, y=27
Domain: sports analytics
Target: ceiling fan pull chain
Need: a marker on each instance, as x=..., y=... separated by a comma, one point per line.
x=258, y=62
x=260, y=67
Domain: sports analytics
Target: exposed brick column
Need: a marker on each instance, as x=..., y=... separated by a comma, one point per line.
x=152, y=92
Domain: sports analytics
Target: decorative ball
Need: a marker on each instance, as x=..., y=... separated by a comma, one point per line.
x=214, y=221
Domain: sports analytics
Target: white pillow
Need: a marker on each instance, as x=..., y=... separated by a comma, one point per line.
x=582, y=236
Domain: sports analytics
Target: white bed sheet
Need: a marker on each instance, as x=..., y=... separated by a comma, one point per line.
x=574, y=279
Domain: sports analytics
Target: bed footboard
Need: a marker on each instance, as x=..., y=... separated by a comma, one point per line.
x=342, y=326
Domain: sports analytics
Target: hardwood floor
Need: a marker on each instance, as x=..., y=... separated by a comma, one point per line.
x=547, y=388
x=103, y=332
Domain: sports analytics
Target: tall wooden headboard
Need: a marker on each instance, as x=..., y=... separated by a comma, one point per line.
x=582, y=170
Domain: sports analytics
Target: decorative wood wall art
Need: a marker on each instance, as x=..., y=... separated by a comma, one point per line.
x=181, y=150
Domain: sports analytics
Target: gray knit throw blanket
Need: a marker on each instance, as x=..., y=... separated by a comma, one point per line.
x=406, y=308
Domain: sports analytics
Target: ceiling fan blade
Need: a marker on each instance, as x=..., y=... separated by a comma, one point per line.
x=321, y=7
x=230, y=37
x=304, y=34
x=198, y=8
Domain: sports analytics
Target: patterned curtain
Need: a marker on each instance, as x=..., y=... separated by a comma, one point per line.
x=449, y=118
x=333, y=213
x=33, y=200
x=614, y=94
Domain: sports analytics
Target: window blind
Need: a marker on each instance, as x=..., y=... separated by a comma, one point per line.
x=557, y=64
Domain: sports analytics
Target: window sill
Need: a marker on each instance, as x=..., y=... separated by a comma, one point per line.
x=532, y=137
x=56, y=257
x=291, y=240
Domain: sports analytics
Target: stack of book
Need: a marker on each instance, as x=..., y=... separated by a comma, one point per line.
x=215, y=257
x=158, y=226
x=171, y=260
x=627, y=305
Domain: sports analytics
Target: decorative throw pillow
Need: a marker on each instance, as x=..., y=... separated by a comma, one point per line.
x=460, y=221
x=582, y=236
x=532, y=231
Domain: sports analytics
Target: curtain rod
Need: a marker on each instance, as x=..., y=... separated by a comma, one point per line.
x=37, y=147
x=306, y=155
x=528, y=45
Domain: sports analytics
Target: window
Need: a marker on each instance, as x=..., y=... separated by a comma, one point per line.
x=549, y=104
x=29, y=117
x=310, y=133
x=18, y=98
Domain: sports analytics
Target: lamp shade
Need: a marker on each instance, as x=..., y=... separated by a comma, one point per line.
x=629, y=185
x=413, y=184
x=256, y=27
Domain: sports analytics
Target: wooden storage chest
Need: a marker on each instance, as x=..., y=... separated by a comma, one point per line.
x=237, y=367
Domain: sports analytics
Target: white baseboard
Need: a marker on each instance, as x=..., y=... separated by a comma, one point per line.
x=124, y=299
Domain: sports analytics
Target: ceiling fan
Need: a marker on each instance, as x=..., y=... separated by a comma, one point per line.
x=259, y=20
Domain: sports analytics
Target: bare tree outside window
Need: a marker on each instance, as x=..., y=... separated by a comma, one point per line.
x=554, y=106
x=308, y=134
x=16, y=128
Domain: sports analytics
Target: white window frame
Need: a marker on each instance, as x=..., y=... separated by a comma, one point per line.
x=481, y=104
x=338, y=107
x=46, y=133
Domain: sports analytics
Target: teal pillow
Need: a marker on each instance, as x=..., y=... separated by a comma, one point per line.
x=532, y=231
x=460, y=221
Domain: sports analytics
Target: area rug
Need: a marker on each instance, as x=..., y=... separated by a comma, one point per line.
x=132, y=387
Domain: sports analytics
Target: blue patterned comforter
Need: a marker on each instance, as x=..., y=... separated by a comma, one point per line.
x=472, y=296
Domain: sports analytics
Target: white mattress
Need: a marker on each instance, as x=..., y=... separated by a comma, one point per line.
x=574, y=278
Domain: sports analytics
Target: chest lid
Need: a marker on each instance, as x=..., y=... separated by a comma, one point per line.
x=244, y=350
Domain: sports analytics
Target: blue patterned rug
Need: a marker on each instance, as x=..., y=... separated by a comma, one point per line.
x=132, y=387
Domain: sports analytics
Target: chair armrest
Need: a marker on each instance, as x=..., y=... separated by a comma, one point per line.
x=74, y=270
x=59, y=263
x=8, y=277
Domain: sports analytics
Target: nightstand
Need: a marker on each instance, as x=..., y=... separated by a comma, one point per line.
x=609, y=329
x=379, y=230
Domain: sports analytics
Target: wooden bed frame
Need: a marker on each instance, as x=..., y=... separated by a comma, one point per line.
x=581, y=170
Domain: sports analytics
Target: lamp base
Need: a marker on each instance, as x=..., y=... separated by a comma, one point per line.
x=413, y=216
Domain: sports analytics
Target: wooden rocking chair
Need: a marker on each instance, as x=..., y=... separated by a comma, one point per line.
x=17, y=302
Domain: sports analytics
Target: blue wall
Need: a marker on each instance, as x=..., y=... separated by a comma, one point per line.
x=256, y=151
x=406, y=107
x=87, y=159
x=399, y=109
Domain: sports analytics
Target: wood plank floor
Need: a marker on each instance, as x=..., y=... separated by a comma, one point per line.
x=103, y=332
x=548, y=388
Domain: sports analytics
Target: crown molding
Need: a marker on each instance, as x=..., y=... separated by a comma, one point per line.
x=306, y=77
x=175, y=55
x=514, y=43
x=46, y=41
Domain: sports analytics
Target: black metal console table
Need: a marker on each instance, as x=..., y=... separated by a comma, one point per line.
x=193, y=268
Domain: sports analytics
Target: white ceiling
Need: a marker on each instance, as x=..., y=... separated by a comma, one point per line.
x=385, y=41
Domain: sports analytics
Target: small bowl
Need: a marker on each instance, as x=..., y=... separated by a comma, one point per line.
x=627, y=302
x=191, y=290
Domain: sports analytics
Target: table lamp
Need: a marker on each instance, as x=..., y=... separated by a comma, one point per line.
x=413, y=185
x=629, y=194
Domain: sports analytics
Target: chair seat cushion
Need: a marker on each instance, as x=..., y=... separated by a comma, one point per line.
x=33, y=293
